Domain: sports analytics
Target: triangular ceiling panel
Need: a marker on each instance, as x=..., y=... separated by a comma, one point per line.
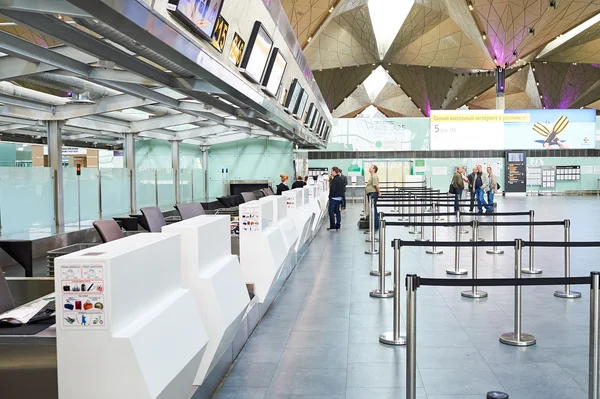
x=425, y=86
x=582, y=48
x=392, y=98
x=358, y=100
x=466, y=86
x=348, y=5
x=338, y=83
x=306, y=16
x=507, y=23
x=561, y=85
x=520, y=92
x=358, y=23
x=424, y=16
x=446, y=45
x=30, y=36
x=335, y=47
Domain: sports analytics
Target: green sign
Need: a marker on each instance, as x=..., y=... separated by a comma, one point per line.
x=354, y=168
x=419, y=163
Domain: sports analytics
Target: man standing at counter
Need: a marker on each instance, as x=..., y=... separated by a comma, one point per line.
x=373, y=192
x=336, y=193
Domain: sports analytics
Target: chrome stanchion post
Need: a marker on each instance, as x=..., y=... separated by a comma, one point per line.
x=434, y=250
x=394, y=337
x=411, y=336
x=413, y=202
x=518, y=338
x=474, y=292
x=422, y=218
x=495, y=250
x=381, y=292
x=457, y=271
x=462, y=230
x=381, y=263
x=594, y=336
x=567, y=293
x=372, y=250
x=531, y=269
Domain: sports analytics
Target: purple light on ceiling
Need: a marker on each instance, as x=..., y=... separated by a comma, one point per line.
x=427, y=107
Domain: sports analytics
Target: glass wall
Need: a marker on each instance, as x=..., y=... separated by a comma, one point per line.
x=88, y=203
x=115, y=191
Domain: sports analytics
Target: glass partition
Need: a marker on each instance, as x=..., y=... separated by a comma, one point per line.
x=89, y=202
x=115, y=192
x=166, y=188
x=185, y=185
x=198, y=179
x=26, y=199
x=145, y=188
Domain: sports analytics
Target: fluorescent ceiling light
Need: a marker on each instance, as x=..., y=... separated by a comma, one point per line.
x=376, y=82
x=387, y=18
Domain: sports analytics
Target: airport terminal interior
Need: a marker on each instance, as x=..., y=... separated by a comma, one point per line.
x=299, y=199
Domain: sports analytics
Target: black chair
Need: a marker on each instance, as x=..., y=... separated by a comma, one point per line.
x=109, y=230
x=248, y=197
x=268, y=191
x=258, y=194
x=191, y=210
x=155, y=220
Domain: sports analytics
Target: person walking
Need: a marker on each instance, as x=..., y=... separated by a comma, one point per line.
x=471, y=178
x=283, y=186
x=491, y=188
x=373, y=192
x=298, y=183
x=336, y=193
x=345, y=181
x=458, y=183
x=480, y=183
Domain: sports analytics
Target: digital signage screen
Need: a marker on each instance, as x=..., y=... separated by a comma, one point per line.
x=313, y=122
x=309, y=114
x=292, y=96
x=257, y=53
x=301, y=105
x=200, y=15
x=327, y=131
x=274, y=73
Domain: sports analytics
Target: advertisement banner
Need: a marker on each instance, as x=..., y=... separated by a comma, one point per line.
x=550, y=129
x=467, y=130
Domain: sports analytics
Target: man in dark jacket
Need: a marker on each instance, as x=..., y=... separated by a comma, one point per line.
x=298, y=183
x=471, y=177
x=345, y=181
x=336, y=193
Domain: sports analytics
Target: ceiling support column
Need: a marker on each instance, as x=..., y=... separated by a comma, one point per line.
x=204, y=149
x=129, y=150
x=500, y=87
x=175, y=166
x=55, y=163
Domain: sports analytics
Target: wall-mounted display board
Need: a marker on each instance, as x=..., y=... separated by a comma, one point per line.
x=516, y=168
x=513, y=129
x=274, y=73
x=200, y=15
x=549, y=177
x=293, y=96
x=314, y=120
x=219, y=36
x=311, y=110
x=568, y=173
x=301, y=105
x=534, y=176
x=257, y=53
x=237, y=49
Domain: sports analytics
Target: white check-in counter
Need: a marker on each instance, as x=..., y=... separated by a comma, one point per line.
x=126, y=328
x=300, y=214
x=215, y=278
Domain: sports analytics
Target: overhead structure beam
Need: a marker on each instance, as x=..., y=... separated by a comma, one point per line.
x=202, y=132
x=164, y=122
x=57, y=7
x=21, y=102
x=103, y=105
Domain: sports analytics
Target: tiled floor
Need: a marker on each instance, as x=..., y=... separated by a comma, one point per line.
x=320, y=338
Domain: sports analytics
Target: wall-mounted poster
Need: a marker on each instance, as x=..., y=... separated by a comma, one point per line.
x=220, y=34
x=200, y=15
x=237, y=49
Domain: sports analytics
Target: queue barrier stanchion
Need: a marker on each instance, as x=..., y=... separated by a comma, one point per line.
x=567, y=293
x=531, y=269
x=474, y=292
x=462, y=230
x=371, y=240
x=421, y=213
x=434, y=250
x=395, y=337
x=517, y=337
x=381, y=292
x=381, y=263
x=457, y=271
x=594, y=357
x=413, y=229
x=411, y=336
x=495, y=250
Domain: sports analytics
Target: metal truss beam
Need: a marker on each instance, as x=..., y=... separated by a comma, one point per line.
x=13, y=67
x=164, y=122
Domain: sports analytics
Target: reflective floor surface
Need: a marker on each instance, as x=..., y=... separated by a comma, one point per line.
x=320, y=338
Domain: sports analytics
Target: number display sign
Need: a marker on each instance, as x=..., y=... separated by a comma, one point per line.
x=220, y=34
x=237, y=49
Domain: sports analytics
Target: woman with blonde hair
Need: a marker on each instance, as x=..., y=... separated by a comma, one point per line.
x=283, y=186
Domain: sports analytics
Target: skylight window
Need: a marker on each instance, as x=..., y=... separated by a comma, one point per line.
x=387, y=18
x=376, y=82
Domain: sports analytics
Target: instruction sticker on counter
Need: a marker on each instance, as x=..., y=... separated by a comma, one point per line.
x=250, y=219
x=82, y=297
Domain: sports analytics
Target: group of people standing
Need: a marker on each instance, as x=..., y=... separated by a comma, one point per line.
x=283, y=186
x=482, y=187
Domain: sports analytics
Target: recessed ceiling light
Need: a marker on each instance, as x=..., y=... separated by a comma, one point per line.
x=331, y=9
x=309, y=39
x=470, y=6
x=483, y=36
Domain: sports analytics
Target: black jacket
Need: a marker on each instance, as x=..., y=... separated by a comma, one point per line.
x=298, y=184
x=345, y=181
x=337, y=187
x=281, y=187
x=471, y=178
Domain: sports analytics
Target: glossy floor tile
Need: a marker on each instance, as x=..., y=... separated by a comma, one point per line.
x=320, y=338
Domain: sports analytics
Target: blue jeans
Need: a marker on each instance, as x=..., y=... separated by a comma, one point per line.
x=490, y=200
x=335, y=216
x=373, y=197
x=480, y=199
x=457, y=194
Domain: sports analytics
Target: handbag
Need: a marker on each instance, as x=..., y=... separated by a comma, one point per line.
x=497, y=186
x=452, y=190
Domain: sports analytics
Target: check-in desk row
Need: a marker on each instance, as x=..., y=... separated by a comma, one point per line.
x=161, y=315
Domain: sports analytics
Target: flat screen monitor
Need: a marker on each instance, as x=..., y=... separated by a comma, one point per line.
x=327, y=131
x=319, y=125
x=292, y=96
x=274, y=73
x=313, y=122
x=301, y=105
x=257, y=53
x=309, y=114
x=200, y=15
